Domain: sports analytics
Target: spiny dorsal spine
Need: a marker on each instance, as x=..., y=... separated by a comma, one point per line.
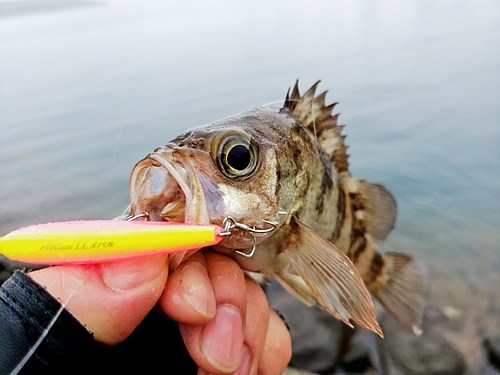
x=314, y=115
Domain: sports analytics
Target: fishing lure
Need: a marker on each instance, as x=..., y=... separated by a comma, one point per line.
x=96, y=241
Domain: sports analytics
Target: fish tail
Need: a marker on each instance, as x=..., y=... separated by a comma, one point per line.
x=397, y=280
x=401, y=287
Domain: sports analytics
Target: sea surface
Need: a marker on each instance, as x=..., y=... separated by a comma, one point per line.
x=88, y=88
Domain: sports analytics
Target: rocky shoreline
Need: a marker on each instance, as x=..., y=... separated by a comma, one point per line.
x=461, y=336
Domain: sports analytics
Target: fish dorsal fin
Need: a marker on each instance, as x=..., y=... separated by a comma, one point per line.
x=330, y=276
x=373, y=206
x=312, y=112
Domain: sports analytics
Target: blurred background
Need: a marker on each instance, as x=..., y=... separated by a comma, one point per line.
x=88, y=88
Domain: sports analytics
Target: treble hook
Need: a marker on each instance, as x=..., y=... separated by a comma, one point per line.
x=138, y=216
x=230, y=223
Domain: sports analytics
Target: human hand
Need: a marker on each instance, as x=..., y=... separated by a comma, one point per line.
x=112, y=299
x=245, y=334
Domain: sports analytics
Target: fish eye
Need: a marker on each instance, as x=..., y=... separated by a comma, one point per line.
x=237, y=156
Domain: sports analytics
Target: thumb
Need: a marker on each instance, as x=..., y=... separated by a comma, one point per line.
x=109, y=299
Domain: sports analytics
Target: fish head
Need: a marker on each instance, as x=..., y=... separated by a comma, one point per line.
x=226, y=169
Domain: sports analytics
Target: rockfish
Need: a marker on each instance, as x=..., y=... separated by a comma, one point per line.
x=278, y=182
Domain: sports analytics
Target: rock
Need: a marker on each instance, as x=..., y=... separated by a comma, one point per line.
x=362, y=356
x=428, y=354
x=316, y=335
x=488, y=369
x=294, y=371
x=321, y=343
x=492, y=346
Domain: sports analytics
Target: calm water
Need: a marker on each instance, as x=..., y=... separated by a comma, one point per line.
x=89, y=88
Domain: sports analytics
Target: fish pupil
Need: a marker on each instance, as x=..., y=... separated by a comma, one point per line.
x=238, y=157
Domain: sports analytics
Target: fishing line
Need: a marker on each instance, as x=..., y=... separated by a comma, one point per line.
x=53, y=321
x=268, y=104
x=118, y=142
x=278, y=101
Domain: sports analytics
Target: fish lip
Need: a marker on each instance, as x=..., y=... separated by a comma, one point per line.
x=197, y=211
x=177, y=168
x=172, y=170
x=150, y=200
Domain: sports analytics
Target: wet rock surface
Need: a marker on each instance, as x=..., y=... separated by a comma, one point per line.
x=428, y=354
x=461, y=335
x=321, y=343
x=492, y=346
x=315, y=334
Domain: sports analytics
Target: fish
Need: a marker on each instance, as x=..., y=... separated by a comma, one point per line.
x=278, y=181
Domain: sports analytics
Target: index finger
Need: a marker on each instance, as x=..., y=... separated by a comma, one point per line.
x=188, y=296
x=217, y=347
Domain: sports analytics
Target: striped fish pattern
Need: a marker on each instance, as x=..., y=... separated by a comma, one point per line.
x=278, y=181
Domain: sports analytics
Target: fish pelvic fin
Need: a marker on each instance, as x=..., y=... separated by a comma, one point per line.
x=312, y=112
x=373, y=206
x=330, y=276
x=176, y=258
x=295, y=285
x=402, y=289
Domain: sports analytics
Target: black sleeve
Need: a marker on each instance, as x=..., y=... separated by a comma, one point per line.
x=26, y=309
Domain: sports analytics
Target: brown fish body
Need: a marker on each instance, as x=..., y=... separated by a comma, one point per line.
x=284, y=174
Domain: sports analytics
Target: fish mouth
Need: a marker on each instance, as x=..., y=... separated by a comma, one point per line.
x=165, y=187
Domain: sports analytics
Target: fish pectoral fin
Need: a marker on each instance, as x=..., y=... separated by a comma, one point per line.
x=331, y=276
x=404, y=289
x=373, y=205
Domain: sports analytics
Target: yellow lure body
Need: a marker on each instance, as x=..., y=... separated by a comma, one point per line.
x=96, y=241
